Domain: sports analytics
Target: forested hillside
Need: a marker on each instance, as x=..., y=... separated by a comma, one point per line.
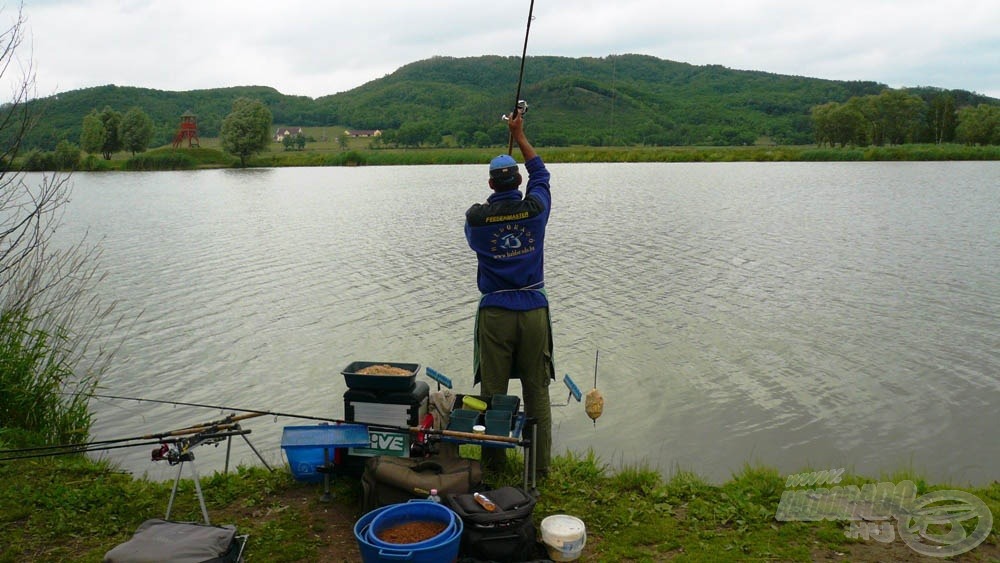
x=615, y=100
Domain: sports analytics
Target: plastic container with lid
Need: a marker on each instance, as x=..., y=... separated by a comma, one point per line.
x=564, y=536
x=473, y=403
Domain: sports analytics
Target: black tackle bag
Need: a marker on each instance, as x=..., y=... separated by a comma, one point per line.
x=392, y=480
x=506, y=534
x=157, y=540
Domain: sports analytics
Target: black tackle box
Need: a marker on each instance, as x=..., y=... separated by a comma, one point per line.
x=401, y=409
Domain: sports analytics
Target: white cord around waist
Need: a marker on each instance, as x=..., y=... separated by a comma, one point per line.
x=538, y=286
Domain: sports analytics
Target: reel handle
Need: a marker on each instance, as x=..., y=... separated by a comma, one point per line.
x=522, y=108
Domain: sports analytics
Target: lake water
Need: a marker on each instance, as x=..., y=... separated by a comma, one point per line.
x=796, y=315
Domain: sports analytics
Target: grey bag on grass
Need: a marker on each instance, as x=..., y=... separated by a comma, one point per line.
x=178, y=542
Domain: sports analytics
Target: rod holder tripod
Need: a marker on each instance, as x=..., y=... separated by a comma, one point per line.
x=229, y=447
x=181, y=453
x=189, y=458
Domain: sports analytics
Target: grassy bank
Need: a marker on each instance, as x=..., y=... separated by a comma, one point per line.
x=386, y=157
x=71, y=509
x=360, y=154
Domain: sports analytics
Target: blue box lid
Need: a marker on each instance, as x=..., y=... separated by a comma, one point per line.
x=325, y=435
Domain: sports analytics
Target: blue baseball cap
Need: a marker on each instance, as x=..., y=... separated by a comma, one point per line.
x=503, y=166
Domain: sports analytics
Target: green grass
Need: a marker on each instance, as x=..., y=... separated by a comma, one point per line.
x=359, y=152
x=70, y=509
x=35, y=370
x=375, y=157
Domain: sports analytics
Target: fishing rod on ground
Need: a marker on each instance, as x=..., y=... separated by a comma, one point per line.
x=520, y=105
x=277, y=414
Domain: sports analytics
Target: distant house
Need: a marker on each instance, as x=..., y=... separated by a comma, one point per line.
x=363, y=133
x=283, y=132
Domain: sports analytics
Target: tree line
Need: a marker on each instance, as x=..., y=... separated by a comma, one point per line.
x=105, y=133
x=245, y=131
x=619, y=100
x=895, y=117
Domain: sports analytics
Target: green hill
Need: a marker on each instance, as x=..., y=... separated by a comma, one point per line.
x=614, y=100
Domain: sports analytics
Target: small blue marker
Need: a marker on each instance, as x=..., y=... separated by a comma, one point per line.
x=573, y=389
x=443, y=379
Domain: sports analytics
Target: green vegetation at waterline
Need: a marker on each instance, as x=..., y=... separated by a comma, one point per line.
x=161, y=160
x=194, y=158
x=387, y=157
x=36, y=366
x=72, y=509
x=165, y=158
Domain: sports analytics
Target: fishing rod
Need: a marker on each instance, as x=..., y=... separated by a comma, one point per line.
x=85, y=448
x=519, y=104
x=225, y=423
x=219, y=407
x=276, y=414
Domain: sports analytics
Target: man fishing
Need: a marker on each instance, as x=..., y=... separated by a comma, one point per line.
x=513, y=337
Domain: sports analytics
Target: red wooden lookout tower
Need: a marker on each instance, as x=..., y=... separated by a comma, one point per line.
x=187, y=130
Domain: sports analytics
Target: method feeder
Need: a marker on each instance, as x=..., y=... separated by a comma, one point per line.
x=595, y=401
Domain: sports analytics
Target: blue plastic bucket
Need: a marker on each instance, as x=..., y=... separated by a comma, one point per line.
x=445, y=548
x=414, y=511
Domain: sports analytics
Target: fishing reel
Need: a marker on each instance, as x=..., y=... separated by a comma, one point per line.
x=173, y=455
x=522, y=108
x=179, y=449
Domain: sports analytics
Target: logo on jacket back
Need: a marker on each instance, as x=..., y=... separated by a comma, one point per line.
x=512, y=240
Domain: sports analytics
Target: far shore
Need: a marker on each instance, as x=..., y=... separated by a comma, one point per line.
x=209, y=155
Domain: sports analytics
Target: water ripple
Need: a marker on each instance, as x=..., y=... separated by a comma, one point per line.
x=796, y=314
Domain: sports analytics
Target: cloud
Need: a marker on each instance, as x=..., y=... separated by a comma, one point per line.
x=319, y=48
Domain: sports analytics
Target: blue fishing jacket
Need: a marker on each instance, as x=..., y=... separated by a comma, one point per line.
x=508, y=235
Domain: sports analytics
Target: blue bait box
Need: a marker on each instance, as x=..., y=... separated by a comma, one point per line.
x=310, y=447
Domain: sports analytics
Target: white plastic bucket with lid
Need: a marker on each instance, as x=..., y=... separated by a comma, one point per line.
x=564, y=536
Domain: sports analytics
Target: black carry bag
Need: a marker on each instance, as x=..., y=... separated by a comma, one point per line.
x=507, y=534
x=391, y=480
x=159, y=540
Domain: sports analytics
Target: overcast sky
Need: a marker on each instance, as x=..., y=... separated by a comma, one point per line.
x=320, y=47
